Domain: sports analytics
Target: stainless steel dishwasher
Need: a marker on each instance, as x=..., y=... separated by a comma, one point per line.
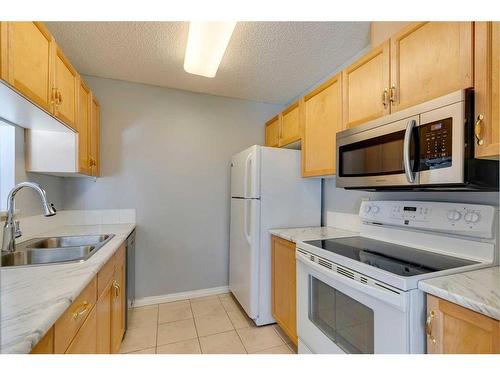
x=130, y=277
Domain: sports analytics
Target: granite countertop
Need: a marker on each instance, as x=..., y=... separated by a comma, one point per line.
x=477, y=290
x=33, y=298
x=310, y=233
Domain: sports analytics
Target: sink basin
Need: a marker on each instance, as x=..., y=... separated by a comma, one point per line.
x=66, y=241
x=49, y=250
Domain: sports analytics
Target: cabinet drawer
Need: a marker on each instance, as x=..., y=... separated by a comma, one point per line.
x=73, y=318
x=105, y=275
x=85, y=341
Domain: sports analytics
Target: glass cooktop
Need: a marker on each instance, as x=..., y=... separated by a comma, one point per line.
x=397, y=259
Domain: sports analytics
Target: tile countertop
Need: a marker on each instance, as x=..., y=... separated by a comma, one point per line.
x=476, y=290
x=311, y=233
x=33, y=298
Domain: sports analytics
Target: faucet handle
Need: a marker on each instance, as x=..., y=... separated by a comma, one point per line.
x=17, y=229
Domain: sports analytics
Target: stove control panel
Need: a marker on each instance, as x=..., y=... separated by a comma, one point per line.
x=454, y=218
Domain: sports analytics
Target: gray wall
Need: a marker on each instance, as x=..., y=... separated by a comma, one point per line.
x=167, y=153
x=348, y=201
x=27, y=201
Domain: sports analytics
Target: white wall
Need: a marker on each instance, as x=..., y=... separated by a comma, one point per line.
x=167, y=153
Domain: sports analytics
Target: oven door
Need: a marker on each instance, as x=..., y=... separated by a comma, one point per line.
x=340, y=314
x=377, y=156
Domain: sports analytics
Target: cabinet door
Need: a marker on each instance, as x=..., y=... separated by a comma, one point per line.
x=83, y=127
x=273, y=132
x=283, y=286
x=95, y=129
x=290, y=125
x=366, y=87
x=46, y=344
x=104, y=311
x=85, y=341
x=321, y=116
x=3, y=51
x=118, y=302
x=30, y=64
x=430, y=59
x=486, y=88
x=452, y=329
x=66, y=89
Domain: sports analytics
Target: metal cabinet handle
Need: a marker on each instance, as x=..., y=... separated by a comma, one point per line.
x=477, y=130
x=384, y=97
x=82, y=309
x=428, y=326
x=116, y=286
x=54, y=96
x=392, y=96
x=60, y=96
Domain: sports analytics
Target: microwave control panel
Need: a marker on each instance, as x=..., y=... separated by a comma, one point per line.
x=456, y=218
x=435, y=144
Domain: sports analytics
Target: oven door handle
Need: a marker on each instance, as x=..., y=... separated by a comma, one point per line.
x=410, y=175
x=396, y=300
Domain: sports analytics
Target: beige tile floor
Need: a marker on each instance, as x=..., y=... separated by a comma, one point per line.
x=208, y=325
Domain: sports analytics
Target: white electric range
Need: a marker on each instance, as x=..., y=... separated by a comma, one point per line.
x=360, y=294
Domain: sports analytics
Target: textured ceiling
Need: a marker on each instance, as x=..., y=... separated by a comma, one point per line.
x=265, y=61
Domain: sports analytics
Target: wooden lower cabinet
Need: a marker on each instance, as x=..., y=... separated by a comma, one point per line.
x=85, y=341
x=92, y=325
x=46, y=344
x=453, y=329
x=284, y=305
x=118, y=302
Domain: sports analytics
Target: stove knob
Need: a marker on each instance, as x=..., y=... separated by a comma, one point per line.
x=375, y=209
x=471, y=217
x=454, y=215
x=367, y=208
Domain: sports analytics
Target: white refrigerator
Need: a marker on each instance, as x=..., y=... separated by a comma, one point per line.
x=267, y=191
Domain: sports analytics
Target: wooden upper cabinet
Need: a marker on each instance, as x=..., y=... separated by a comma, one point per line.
x=283, y=286
x=83, y=127
x=430, y=59
x=366, y=87
x=30, y=61
x=290, y=125
x=273, y=132
x=65, y=89
x=321, y=116
x=94, y=136
x=452, y=329
x=3, y=50
x=486, y=88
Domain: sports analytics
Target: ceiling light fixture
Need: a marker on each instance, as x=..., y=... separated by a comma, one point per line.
x=207, y=42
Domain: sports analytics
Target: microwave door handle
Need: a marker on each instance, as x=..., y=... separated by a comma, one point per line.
x=410, y=175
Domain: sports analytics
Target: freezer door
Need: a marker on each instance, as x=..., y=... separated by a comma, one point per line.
x=245, y=173
x=244, y=253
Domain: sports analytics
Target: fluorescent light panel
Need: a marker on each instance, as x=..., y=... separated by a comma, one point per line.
x=207, y=42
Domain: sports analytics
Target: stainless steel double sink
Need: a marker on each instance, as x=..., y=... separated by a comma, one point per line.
x=49, y=250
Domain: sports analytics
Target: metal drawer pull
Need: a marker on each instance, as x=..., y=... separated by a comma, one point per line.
x=477, y=130
x=84, y=307
x=428, y=326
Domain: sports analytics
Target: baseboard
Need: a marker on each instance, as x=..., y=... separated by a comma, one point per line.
x=153, y=300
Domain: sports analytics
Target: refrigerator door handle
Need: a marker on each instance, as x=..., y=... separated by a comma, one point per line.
x=247, y=180
x=246, y=230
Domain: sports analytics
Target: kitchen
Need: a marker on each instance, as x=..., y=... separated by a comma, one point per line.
x=262, y=210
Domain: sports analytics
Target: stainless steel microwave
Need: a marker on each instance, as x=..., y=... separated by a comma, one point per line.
x=426, y=147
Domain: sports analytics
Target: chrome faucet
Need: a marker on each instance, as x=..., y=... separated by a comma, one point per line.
x=11, y=229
